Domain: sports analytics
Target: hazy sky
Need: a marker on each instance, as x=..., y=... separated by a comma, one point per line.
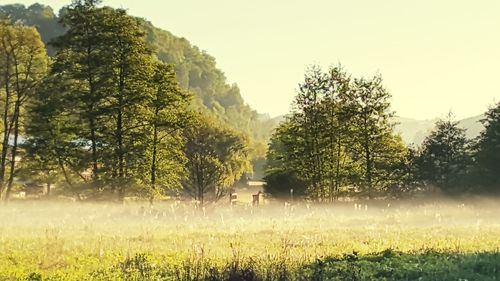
x=434, y=56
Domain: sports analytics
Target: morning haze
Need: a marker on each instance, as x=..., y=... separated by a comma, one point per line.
x=137, y=143
x=433, y=55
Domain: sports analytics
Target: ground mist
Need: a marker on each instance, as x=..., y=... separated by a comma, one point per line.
x=372, y=240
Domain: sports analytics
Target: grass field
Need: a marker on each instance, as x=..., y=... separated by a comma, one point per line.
x=173, y=241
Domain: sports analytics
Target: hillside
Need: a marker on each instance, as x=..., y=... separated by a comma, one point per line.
x=414, y=131
x=196, y=71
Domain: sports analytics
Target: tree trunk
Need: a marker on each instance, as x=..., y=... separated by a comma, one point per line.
x=119, y=128
x=91, y=117
x=368, y=156
x=119, y=140
x=153, y=161
x=93, y=140
x=6, y=129
x=63, y=169
x=369, y=174
x=15, y=120
x=5, y=144
x=337, y=173
x=14, y=151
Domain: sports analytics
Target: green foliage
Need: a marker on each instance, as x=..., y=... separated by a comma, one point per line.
x=40, y=16
x=379, y=149
x=284, y=184
x=109, y=112
x=111, y=116
x=216, y=158
x=487, y=154
x=282, y=157
x=23, y=64
x=390, y=265
x=167, y=116
x=339, y=135
x=445, y=157
x=51, y=137
x=195, y=70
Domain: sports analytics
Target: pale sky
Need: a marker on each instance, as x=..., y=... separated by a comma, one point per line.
x=434, y=56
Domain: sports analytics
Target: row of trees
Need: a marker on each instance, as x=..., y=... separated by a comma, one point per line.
x=105, y=114
x=449, y=160
x=339, y=138
x=195, y=69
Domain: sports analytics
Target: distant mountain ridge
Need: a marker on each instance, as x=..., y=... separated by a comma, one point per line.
x=414, y=131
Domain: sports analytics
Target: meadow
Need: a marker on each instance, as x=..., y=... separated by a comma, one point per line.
x=441, y=240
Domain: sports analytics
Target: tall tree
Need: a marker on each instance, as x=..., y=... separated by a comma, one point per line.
x=168, y=116
x=83, y=57
x=132, y=68
x=114, y=92
x=369, y=106
x=339, y=134
x=337, y=128
x=309, y=117
x=24, y=63
x=216, y=158
x=445, y=156
x=284, y=175
x=487, y=153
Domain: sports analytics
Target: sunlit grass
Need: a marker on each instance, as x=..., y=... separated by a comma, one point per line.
x=178, y=242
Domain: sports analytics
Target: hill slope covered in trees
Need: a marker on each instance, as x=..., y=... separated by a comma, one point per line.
x=195, y=70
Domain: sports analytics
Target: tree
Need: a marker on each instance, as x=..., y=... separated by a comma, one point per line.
x=23, y=63
x=487, y=154
x=216, y=158
x=195, y=70
x=51, y=140
x=40, y=164
x=445, y=156
x=82, y=56
x=110, y=113
x=119, y=95
x=403, y=179
x=339, y=134
x=282, y=174
x=168, y=117
x=374, y=142
x=311, y=125
x=338, y=129
x=131, y=68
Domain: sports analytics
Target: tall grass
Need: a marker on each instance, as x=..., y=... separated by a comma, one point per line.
x=173, y=241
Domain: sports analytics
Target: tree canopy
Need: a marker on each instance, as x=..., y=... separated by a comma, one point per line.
x=338, y=135
x=196, y=72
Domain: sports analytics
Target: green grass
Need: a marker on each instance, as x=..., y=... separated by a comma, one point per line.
x=71, y=241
